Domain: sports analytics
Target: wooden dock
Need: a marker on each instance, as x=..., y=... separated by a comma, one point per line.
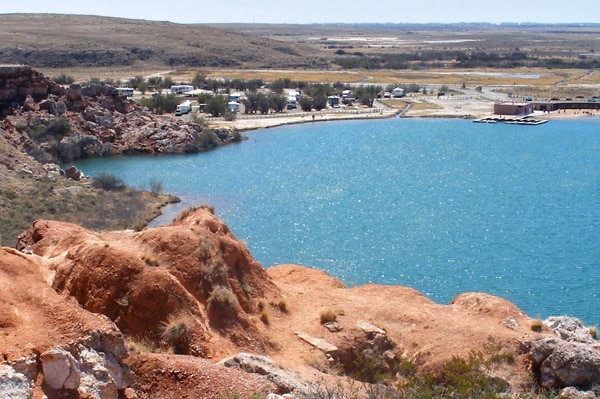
x=513, y=120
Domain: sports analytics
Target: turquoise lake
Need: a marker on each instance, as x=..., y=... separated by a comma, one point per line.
x=440, y=205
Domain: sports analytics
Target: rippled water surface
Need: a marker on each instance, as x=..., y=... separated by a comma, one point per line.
x=443, y=206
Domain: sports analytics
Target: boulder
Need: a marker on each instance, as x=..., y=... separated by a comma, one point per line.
x=74, y=92
x=73, y=173
x=26, y=366
x=53, y=169
x=560, y=363
x=49, y=105
x=14, y=385
x=284, y=380
x=92, y=90
x=30, y=104
x=89, y=115
x=93, y=373
x=331, y=351
x=570, y=329
x=574, y=393
x=60, y=369
x=61, y=108
x=105, y=121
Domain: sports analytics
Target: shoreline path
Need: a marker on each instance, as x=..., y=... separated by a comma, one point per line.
x=468, y=104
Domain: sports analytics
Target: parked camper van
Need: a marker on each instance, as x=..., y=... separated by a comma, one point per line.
x=291, y=102
x=334, y=101
x=184, y=108
x=180, y=89
x=128, y=91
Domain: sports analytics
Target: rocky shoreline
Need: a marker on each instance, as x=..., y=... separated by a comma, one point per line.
x=96, y=121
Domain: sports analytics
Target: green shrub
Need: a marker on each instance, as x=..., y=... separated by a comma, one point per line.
x=216, y=106
x=199, y=120
x=56, y=128
x=63, y=79
x=159, y=103
x=108, y=182
x=229, y=116
x=467, y=378
x=207, y=140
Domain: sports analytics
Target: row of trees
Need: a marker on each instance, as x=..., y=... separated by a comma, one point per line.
x=458, y=59
x=261, y=97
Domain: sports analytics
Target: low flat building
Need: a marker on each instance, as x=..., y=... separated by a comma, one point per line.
x=513, y=108
x=525, y=108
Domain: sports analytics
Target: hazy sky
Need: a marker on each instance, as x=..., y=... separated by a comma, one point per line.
x=318, y=11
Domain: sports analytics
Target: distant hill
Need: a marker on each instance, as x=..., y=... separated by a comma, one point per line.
x=62, y=41
x=52, y=41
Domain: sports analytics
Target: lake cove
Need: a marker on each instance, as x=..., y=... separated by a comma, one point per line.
x=441, y=205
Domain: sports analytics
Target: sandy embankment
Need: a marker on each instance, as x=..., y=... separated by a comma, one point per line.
x=569, y=114
x=252, y=122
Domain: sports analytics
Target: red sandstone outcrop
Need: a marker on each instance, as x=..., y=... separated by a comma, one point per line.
x=193, y=288
x=55, y=123
x=194, y=268
x=18, y=82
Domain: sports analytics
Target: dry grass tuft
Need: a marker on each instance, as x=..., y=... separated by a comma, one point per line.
x=261, y=305
x=281, y=305
x=328, y=315
x=223, y=299
x=142, y=345
x=177, y=333
x=537, y=325
x=264, y=317
x=150, y=259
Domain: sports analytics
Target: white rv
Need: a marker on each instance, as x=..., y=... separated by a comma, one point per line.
x=291, y=102
x=180, y=89
x=128, y=91
x=184, y=108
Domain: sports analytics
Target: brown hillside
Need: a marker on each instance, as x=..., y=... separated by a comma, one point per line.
x=57, y=41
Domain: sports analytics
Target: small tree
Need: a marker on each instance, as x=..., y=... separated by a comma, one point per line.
x=264, y=104
x=133, y=82
x=254, y=84
x=160, y=103
x=251, y=102
x=167, y=82
x=319, y=102
x=367, y=94
x=278, y=102
x=142, y=87
x=216, y=106
x=199, y=80
x=321, y=89
x=305, y=103
x=277, y=86
x=156, y=186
